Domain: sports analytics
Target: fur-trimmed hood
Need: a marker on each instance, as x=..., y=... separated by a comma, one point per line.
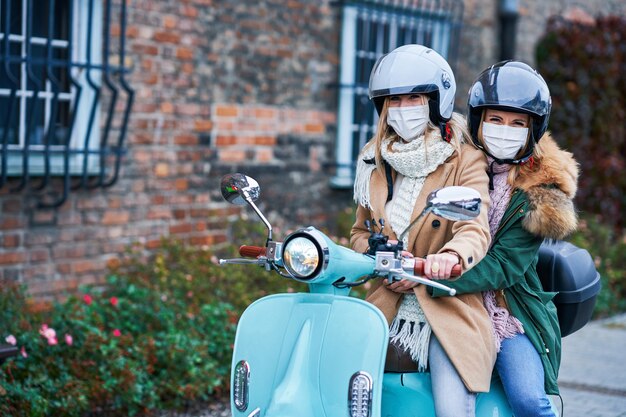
x=550, y=184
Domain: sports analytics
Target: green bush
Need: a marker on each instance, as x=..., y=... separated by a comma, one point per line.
x=158, y=336
x=122, y=351
x=608, y=252
x=584, y=67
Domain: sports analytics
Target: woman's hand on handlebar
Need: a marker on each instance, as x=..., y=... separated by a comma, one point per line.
x=403, y=286
x=439, y=266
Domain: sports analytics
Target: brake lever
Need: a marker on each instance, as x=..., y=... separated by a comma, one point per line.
x=399, y=274
x=261, y=261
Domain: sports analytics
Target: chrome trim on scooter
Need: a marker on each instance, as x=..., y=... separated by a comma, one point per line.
x=241, y=382
x=275, y=252
x=360, y=397
x=255, y=413
x=387, y=262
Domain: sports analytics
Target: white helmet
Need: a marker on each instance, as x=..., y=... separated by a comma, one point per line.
x=415, y=69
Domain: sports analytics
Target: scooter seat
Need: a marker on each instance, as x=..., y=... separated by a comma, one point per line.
x=399, y=360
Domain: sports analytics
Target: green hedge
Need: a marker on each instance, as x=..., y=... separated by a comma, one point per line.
x=158, y=336
x=584, y=65
x=608, y=254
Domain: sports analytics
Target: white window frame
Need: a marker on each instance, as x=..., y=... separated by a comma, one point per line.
x=36, y=162
x=439, y=29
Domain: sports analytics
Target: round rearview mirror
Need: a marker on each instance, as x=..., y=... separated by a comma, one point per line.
x=239, y=189
x=454, y=203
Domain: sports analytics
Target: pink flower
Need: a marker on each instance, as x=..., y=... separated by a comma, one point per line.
x=10, y=339
x=87, y=299
x=49, y=333
x=69, y=340
x=23, y=352
x=189, y=294
x=117, y=333
x=113, y=301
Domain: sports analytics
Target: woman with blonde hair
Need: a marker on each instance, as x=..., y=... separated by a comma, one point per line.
x=419, y=146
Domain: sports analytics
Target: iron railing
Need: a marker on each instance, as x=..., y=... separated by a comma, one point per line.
x=64, y=94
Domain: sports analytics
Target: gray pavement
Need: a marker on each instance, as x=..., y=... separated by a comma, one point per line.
x=592, y=378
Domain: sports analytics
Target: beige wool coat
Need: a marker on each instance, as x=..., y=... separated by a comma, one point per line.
x=461, y=323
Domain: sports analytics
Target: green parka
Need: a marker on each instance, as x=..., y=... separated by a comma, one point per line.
x=540, y=208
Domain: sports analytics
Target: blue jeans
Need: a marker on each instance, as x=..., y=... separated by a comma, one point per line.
x=451, y=397
x=521, y=372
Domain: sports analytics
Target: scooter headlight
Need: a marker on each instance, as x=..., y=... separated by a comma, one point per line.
x=302, y=257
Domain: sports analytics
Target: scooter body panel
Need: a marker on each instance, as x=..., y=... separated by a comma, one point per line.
x=303, y=349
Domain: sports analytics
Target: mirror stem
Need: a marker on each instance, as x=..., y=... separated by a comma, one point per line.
x=261, y=216
x=401, y=237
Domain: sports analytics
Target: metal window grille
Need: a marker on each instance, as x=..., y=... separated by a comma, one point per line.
x=371, y=28
x=64, y=98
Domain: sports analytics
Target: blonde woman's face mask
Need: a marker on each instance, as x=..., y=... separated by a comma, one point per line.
x=408, y=122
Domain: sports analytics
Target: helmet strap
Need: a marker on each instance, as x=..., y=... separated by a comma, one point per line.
x=446, y=131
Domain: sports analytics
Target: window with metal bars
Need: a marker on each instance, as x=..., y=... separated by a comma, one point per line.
x=371, y=28
x=62, y=79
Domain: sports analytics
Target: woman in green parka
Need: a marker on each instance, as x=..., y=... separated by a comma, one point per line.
x=532, y=184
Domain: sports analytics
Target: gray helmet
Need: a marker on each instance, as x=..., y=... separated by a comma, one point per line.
x=415, y=69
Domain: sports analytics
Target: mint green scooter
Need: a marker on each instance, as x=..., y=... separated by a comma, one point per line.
x=323, y=353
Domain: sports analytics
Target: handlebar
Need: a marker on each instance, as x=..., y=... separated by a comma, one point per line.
x=252, y=251
x=418, y=268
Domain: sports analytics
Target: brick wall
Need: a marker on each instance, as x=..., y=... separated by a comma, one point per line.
x=221, y=86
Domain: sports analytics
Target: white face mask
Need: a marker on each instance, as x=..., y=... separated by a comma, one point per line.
x=408, y=122
x=504, y=142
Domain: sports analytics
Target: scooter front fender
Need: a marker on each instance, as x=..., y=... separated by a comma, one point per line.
x=302, y=351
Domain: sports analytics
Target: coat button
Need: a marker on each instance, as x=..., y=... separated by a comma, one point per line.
x=436, y=224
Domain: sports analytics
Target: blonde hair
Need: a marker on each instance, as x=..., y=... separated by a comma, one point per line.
x=458, y=130
x=515, y=169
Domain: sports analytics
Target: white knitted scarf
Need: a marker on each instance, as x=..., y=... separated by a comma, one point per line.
x=414, y=160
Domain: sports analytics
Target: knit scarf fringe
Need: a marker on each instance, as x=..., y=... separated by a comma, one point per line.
x=413, y=337
x=503, y=324
x=411, y=331
x=362, y=176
